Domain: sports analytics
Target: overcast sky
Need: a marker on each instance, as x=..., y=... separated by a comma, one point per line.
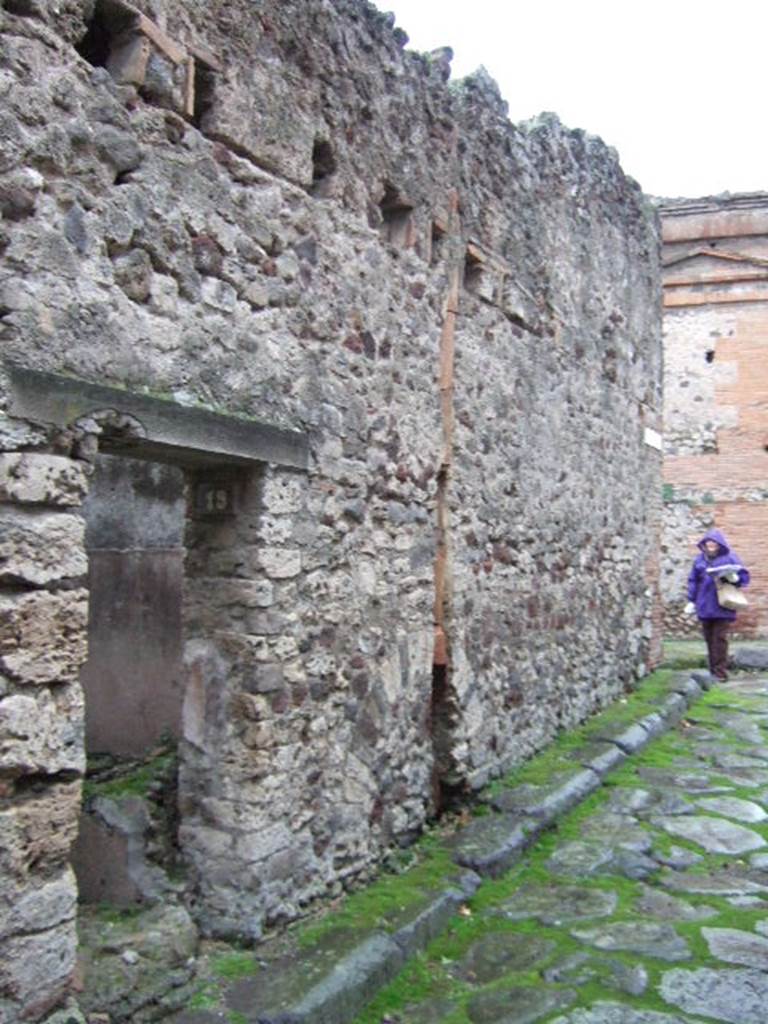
x=679, y=88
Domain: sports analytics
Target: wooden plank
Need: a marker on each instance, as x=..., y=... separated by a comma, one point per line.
x=189, y=88
x=205, y=57
x=175, y=51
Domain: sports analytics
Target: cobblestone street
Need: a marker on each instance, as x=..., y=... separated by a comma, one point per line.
x=645, y=905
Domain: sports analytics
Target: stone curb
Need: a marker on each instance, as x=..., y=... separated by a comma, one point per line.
x=355, y=979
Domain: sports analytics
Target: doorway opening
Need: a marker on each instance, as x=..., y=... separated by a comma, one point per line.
x=127, y=849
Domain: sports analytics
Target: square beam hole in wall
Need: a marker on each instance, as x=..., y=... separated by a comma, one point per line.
x=110, y=31
x=323, y=167
x=480, y=279
x=396, y=218
x=437, y=242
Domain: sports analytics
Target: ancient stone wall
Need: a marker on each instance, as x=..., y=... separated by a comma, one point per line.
x=276, y=212
x=716, y=384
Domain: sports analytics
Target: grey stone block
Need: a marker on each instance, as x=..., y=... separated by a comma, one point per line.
x=750, y=658
x=353, y=982
x=492, y=845
x=673, y=708
x=602, y=757
x=630, y=738
x=654, y=725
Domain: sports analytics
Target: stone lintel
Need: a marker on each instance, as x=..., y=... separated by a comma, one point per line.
x=171, y=432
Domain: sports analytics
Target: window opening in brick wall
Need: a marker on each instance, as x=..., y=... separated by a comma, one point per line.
x=396, y=219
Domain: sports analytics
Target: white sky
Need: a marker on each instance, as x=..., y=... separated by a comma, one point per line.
x=679, y=88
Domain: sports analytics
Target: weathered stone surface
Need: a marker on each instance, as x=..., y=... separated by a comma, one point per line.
x=677, y=857
x=41, y=548
x=111, y=855
x=601, y=757
x=646, y=938
x=497, y=954
x=518, y=1005
x=581, y=968
x=35, y=969
x=43, y=636
x=37, y=834
x=69, y=1014
x=38, y=904
x=132, y=963
x=617, y=830
x=490, y=845
x=688, y=781
x=655, y=903
x=555, y=904
x=732, y=807
x=737, y=947
x=546, y=802
x=613, y=1013
x=630, y=738
x=325, y=994
x=42, y=733
x=42, y=479
x=749, y=658
x=713, y=834
x=579, y=859
x=733, y=881
x=733, y=996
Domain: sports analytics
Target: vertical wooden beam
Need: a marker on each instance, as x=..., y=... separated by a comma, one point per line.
x=189, y=87
x=445, y=384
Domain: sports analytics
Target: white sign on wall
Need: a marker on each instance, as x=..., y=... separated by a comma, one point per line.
x=653, y=438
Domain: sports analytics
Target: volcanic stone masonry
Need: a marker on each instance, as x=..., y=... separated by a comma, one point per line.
x=406, y=358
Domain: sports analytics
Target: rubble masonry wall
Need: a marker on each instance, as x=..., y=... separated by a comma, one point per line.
x=303, y=248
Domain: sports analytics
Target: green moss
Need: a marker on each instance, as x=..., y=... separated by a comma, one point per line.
x=383, y=903
x=111, y=914
x=133, y=783
x=234, y=965
x=208, y=997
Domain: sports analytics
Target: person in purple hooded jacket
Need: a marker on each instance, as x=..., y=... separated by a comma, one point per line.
x=716, y=561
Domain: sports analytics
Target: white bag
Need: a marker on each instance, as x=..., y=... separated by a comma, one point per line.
x=729, y=596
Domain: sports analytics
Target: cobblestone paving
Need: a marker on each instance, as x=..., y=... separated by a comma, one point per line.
x=648, y=904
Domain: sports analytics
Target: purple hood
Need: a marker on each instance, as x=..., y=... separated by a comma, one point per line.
x=715, y=535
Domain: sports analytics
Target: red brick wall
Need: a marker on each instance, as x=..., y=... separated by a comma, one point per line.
x=724, y=396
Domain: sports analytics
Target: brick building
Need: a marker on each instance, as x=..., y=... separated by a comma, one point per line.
x=715, y=255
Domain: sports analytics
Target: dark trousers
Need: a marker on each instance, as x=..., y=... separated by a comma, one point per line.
x=716, y=635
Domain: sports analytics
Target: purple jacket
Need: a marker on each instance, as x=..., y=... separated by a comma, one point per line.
x=701, y=583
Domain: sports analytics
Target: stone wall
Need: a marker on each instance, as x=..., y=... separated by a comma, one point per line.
x=716, y=382
x=296, y=221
